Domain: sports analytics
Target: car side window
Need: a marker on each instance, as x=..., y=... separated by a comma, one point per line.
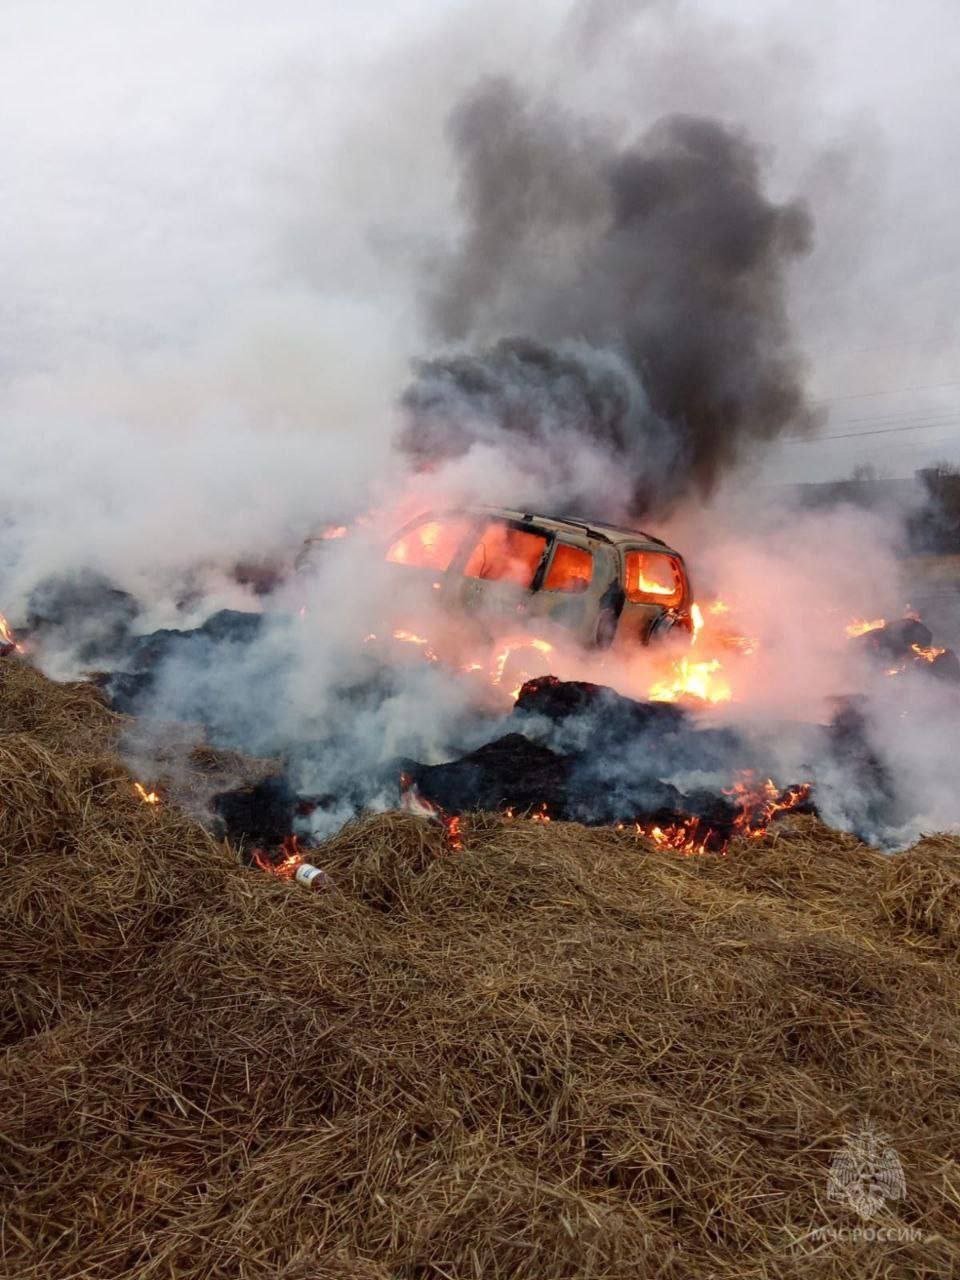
x=571, y=569
x=430, y=545
x=505, y=554
x=651, y=577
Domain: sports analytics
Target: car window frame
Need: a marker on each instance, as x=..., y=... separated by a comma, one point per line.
x=557, y=540
x=653, y=598
x=459, y=563
x=428, y=517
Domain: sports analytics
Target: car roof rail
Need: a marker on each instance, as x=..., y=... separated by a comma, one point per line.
x=585, y=525
x=635, y=533
x=577, y=524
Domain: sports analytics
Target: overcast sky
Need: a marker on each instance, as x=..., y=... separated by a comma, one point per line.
x=231, y=192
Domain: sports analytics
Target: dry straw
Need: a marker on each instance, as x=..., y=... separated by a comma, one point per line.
x=557, y=1053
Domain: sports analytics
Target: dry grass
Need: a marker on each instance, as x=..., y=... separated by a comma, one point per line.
x=555, y=1054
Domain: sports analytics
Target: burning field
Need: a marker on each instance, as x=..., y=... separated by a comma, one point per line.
x=478, y=785
x=443, y=929
x=541, y=575
x=540, y=1049
x=480, y=691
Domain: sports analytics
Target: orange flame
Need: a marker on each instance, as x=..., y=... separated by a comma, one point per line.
x=650, y=587
x=539, y=815
x=515, y=645
x=334, y=531
x=930, y=654
x=740, y=643
x=696, y=679
x=148, y=797
x=757, y=804
x=703, y=676
x=512, y=646
x=724, y=638
x=860, y=626
x=696, y=619
x=286, y=867
x=411, y=637
x=8, y=641
x=411, y=801
x=683, y=837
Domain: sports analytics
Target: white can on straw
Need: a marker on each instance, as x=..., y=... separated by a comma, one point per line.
x=311, y=877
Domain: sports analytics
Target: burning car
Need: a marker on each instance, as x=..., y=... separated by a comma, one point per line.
x=605, y=585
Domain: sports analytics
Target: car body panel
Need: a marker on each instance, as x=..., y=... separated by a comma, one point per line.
x=515, y=566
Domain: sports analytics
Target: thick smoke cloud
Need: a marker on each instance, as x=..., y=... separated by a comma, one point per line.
x=665, y=252
x=214, y=262
x=557, y=417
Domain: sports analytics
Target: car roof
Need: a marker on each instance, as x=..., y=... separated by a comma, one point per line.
x=617, y=534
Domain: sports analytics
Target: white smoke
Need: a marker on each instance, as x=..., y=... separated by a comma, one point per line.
x=216, y=237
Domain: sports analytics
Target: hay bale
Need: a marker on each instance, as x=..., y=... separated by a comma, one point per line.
x=555, y=1053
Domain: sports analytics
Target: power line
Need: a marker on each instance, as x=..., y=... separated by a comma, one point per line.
x=906, y=420
x=893, y=391
x=904, y=415
x=879, y=431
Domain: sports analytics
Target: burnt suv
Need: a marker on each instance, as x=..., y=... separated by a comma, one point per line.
x=608, y=586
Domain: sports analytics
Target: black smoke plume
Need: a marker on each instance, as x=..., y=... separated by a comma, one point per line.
x=634, y=293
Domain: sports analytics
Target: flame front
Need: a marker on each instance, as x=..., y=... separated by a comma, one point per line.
x=650, y=587
x=148, y=797
x=757, y=805
x=284, y=867
x=692, y=679
x=860, y=626
x=684, y=837
x=696, y=620
x=516, y=645
x=411, y=801
x=411, y=637
x=8, y=641
x=760, y=804
x=702, y=675
x=927, y=654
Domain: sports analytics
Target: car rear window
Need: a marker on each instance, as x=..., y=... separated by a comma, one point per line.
x=430, y=545
x=653, y=578
x=505, y=554
x=571, y=569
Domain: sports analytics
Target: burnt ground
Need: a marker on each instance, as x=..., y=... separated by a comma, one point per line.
x=569, y=750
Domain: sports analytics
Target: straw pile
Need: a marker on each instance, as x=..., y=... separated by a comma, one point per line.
x=555, y=1054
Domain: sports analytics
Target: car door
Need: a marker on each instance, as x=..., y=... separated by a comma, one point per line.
x=654, y=583
x=423, y=555
x=568, y=587
x=501, y=564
